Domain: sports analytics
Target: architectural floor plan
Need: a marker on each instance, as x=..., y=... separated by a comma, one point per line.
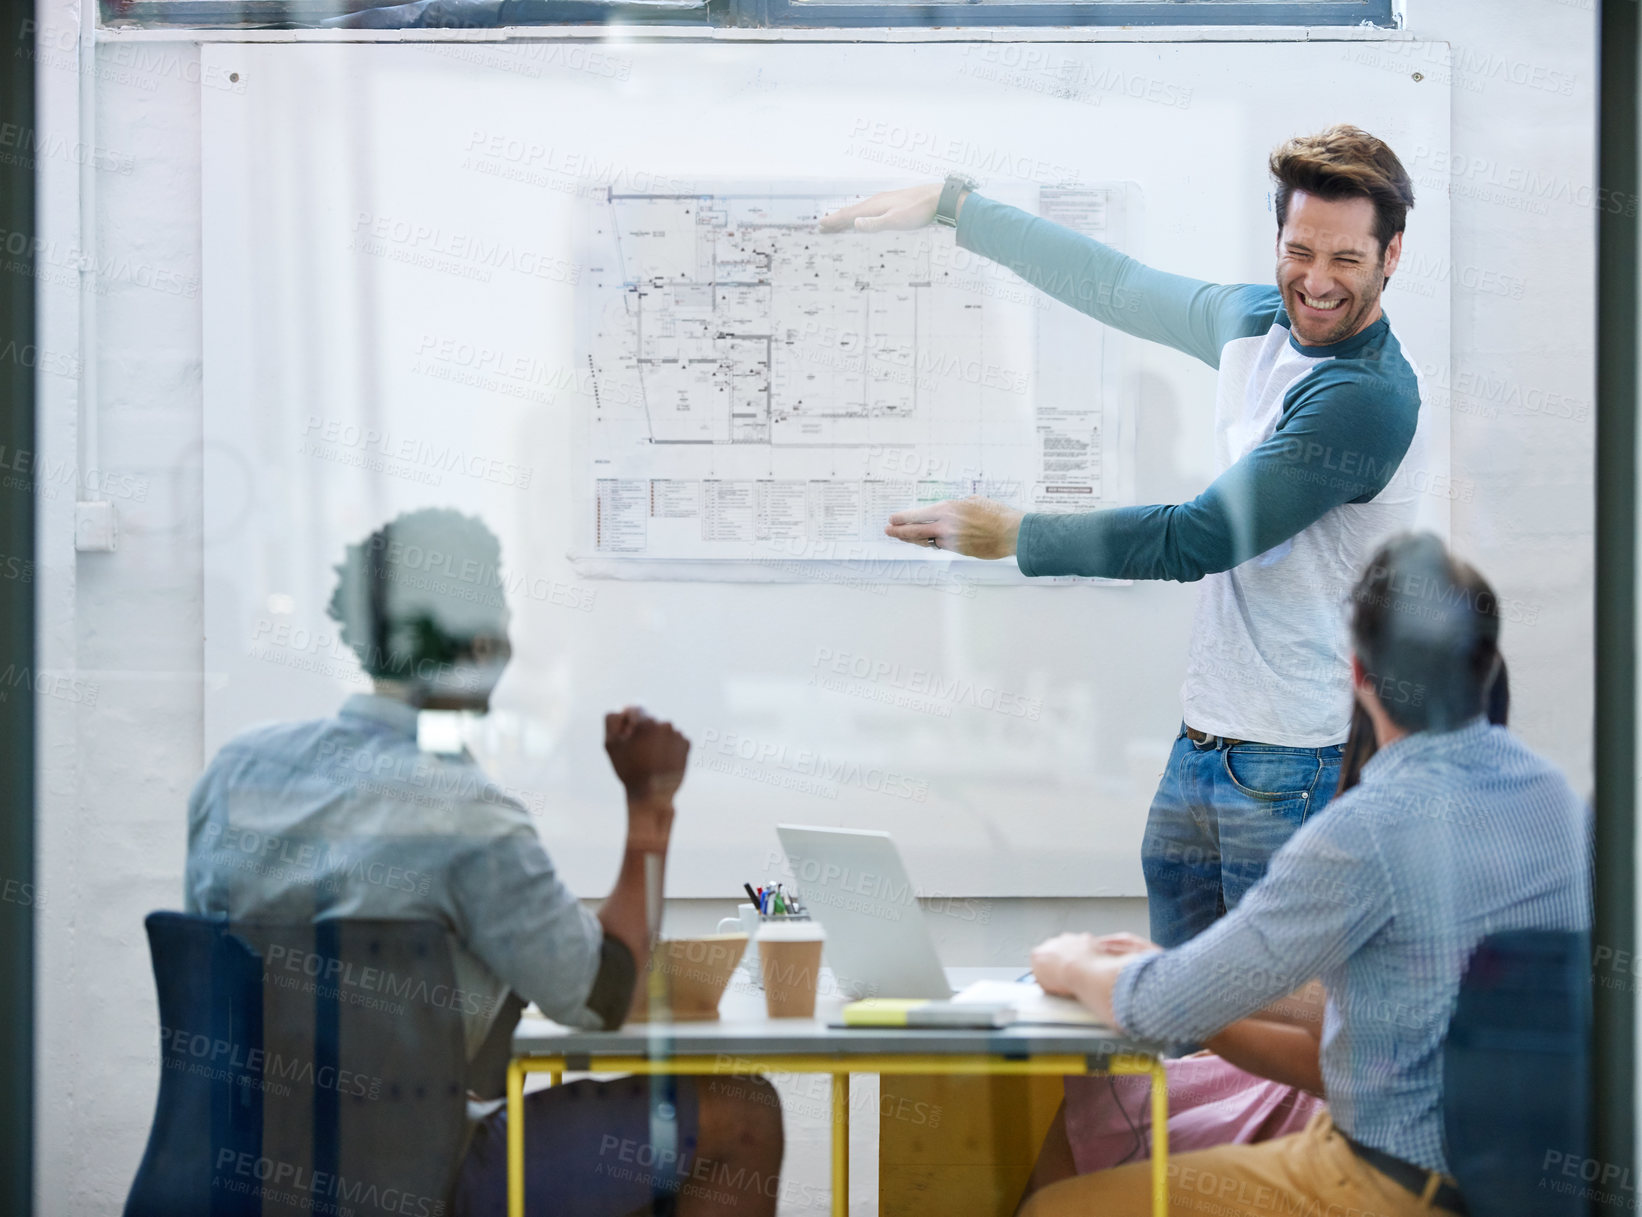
x=761, y=389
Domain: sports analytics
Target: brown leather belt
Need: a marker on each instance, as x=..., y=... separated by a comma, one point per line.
x=1203, y=737
x=1409, y=1176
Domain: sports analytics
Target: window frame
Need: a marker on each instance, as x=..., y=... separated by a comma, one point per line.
x=790, y=14
x=776, y=15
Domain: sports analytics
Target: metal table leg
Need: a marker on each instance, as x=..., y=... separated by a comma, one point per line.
x=1160, y=1140
x=840, y=1145
x=515, y=1139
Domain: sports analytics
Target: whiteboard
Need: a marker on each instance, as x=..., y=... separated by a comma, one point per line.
x=391, y=268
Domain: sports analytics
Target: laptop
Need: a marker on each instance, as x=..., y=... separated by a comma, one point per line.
x=853, y=883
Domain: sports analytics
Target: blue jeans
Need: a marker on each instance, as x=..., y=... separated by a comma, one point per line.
x=1219, y=815
x=590, y=1151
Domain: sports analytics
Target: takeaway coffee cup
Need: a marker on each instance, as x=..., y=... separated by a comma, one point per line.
x=789, y=956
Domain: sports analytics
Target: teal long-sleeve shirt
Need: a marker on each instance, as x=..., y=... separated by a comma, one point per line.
x=1345, y=413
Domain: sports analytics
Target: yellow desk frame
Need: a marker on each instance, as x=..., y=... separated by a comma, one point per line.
x=840, y=1067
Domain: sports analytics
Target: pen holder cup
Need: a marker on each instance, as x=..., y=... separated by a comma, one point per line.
x=745, y=922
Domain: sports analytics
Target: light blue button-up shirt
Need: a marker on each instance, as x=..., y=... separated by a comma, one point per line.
x=347, y=817
x=1384, y=896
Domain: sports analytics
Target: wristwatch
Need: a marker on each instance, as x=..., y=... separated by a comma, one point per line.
x=946, y=210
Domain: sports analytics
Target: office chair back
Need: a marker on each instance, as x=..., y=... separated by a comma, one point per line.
x=305, y=1068
x=1516, y=1069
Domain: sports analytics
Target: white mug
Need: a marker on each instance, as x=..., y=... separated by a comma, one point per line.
x=745, y=922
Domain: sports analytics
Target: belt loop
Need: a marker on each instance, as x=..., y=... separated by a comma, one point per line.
x=1433, y=1181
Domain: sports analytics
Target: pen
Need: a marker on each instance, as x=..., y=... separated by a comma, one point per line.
x=751, y=895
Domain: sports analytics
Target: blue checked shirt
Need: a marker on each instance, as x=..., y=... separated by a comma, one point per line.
x=1384, y=896
x=347, y=817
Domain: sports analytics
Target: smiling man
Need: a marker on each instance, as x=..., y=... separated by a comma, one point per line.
x=1316, y=412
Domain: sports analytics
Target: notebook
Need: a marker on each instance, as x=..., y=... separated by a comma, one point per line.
x=1031, y=1004
x=924, y=1012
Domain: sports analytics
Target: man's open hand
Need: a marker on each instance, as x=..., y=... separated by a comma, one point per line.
x=1054, y=960
x=1076, y=965
x=889, y=211
x=977, y=528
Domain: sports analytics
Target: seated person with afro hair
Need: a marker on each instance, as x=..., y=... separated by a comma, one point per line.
x=420, y=601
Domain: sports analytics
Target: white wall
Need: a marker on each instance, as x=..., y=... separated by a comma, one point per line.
x=121, y=744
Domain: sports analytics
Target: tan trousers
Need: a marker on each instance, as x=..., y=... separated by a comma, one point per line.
x=1308, y=1174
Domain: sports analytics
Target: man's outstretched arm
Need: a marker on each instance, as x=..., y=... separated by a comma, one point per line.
x=1188, y=314
x=1342, y=442
x=1191, y=315
x=1326, y=893
x=1280, y=1042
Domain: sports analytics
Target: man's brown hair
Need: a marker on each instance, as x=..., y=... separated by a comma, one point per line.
x=1345, y=162
x=1425, y=626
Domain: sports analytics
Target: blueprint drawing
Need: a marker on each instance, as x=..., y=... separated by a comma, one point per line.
x=760, y=389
